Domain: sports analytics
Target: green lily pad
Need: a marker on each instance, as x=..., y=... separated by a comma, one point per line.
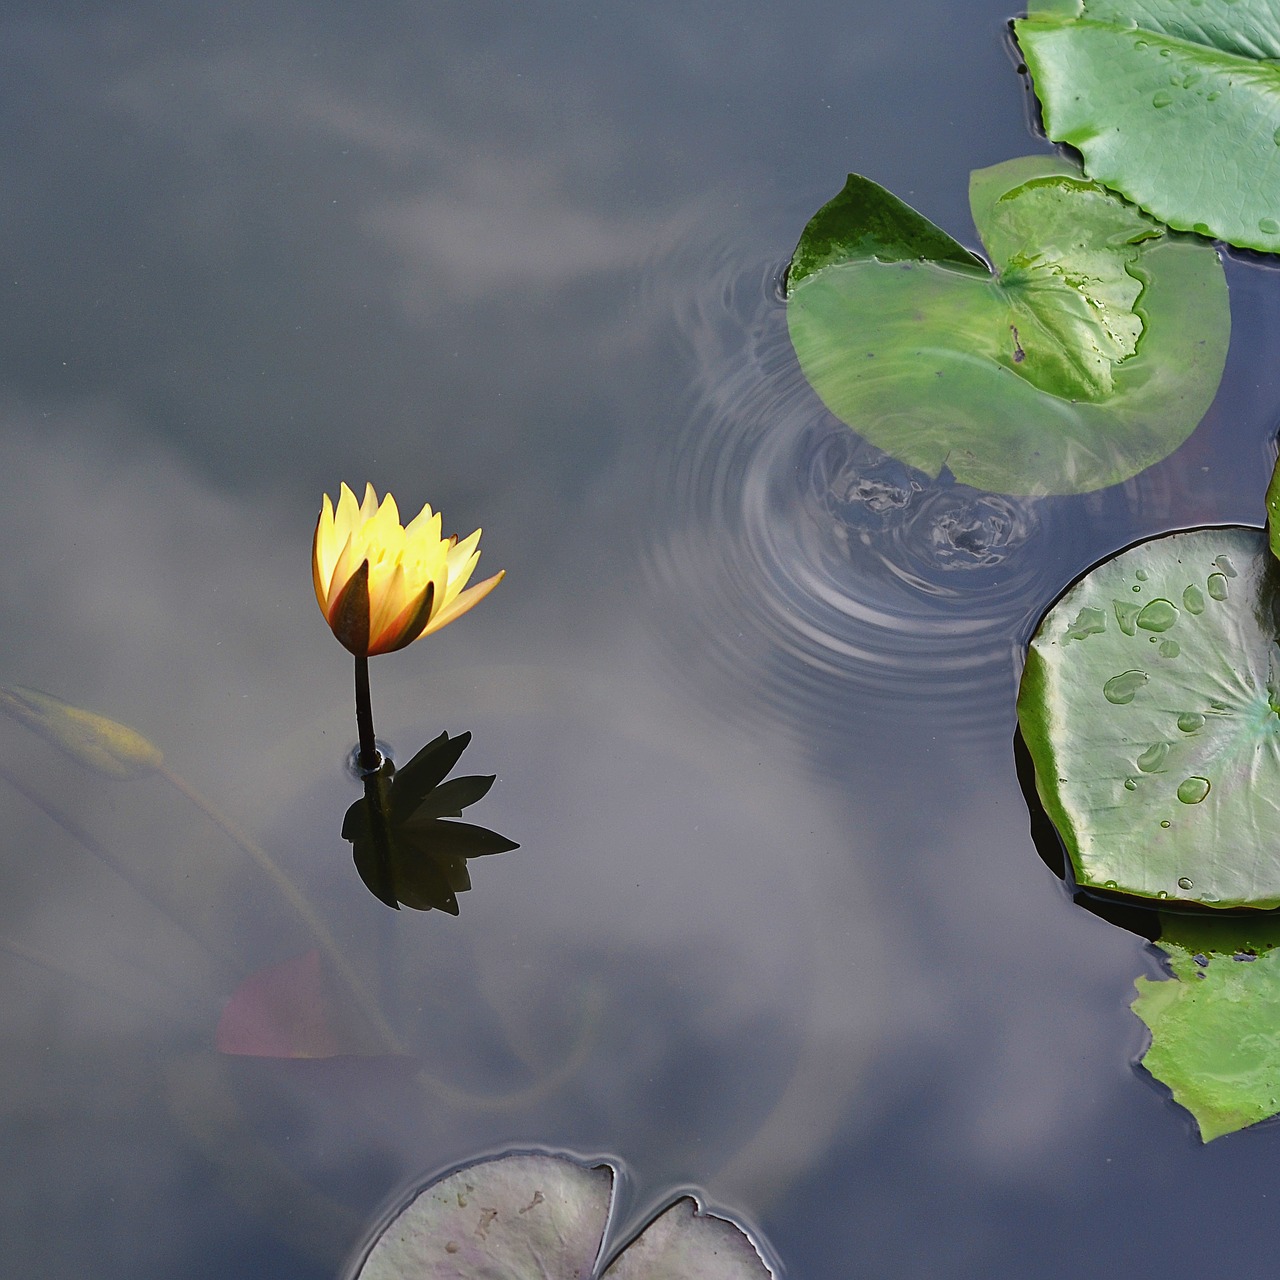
x=1090, y=353
x=1174, y=103
x=1273, y=510
x=541, y=1217
x=1150, y=704
x=1215, y=1025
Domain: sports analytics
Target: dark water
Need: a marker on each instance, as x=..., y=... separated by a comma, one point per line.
x=777, y=930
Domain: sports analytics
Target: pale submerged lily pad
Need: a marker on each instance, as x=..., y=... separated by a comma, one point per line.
x=1215, y=1025
x=1174, y=103
x=1150, y=704
x=543, y=1217
x=1090, y=353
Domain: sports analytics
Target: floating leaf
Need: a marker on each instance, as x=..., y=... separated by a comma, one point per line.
x=1089, y=354
x=1174, y=103
x=105, y=745
x=1273, y=510
x=1215, y=1025
x=1150, y=705
x=540, y=1217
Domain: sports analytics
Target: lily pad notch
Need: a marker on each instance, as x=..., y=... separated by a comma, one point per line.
x=1088, y=351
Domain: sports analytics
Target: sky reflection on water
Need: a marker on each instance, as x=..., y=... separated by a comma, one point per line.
x=521, y=264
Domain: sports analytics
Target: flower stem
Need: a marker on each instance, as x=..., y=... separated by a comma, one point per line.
x=369, y=759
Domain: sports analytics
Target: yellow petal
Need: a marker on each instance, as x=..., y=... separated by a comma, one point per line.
x=461, y=603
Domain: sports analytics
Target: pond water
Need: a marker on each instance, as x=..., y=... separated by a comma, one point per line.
x=777, y=929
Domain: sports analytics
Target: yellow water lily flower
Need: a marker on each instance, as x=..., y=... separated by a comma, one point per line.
x=381, y=585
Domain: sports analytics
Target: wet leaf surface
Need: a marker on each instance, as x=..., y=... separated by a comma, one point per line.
x=1215, y=1024
x=1149, y=706
x=1089, y=353
x=1176, y=105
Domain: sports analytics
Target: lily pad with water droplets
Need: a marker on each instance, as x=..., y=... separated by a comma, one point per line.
x=1090, y=353
x=1173, y=103
x=1215, y=1024
x=543, y=1217
x=1150, y=704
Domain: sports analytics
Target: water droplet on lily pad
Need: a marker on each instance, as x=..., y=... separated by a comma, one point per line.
x=1123, y=688
x=1127, y=616
x=1225, y=566
x=1164, y=822
x=1268, y=226
x=1162, y=99
x=1217, y=586
x=1184, y=883
x=1158, y=615
x=1142, y=575
x=1192, y=791
x=1089, y=622
x=1131, y=784
x=1169, y=648
x=1190, y=721
x=1193, y=599
x=1153, y=758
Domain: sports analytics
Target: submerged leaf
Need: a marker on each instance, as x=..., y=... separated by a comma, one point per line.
x=541, y=1217
x=1150, y=704
x=1215, y=1025
x=105, y=745
x=1089, y=354
x=1174, y=104
x=686, y=1242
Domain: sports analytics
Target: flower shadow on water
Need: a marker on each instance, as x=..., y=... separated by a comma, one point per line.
x=406, y=848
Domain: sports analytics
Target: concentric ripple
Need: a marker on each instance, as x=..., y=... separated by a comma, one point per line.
x=813, y=570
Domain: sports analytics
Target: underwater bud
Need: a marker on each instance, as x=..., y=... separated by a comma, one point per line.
x=106, y=745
